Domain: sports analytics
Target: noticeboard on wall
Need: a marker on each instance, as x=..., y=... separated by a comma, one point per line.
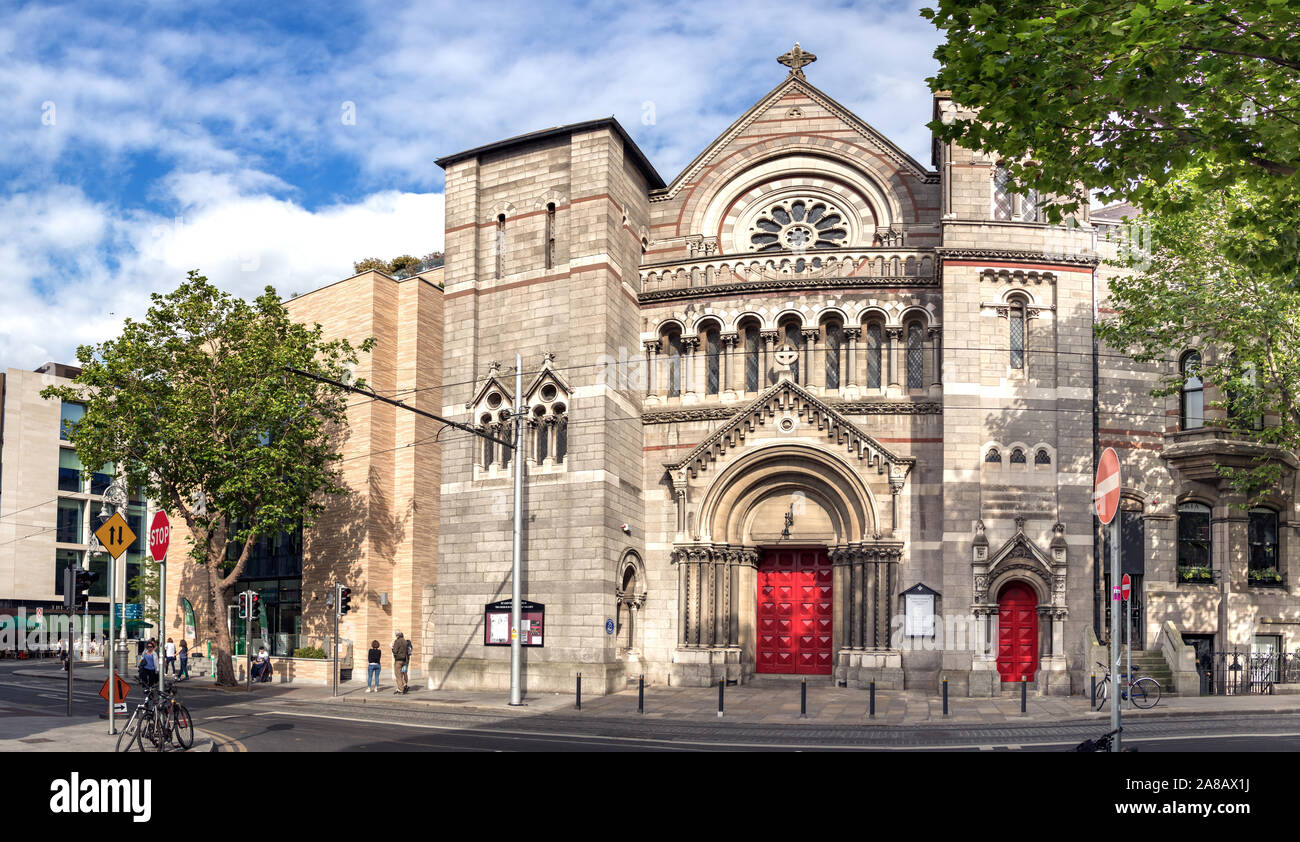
x=496, y=623
x=919, y=611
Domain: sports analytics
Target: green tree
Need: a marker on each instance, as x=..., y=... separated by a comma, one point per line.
x=143, y=586
x=195, y=403
x=1185, y=291
x=1118, y=96
x=368, y=263
x=403, y=262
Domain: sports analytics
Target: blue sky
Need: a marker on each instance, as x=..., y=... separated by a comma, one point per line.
x=275, y=144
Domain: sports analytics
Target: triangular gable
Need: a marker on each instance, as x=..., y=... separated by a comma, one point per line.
x=786, y=395
x=547, y=373
x=801, y=85
x=493, y=379
x=1019, y=546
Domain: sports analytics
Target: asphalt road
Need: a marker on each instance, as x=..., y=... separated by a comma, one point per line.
x=276, y=725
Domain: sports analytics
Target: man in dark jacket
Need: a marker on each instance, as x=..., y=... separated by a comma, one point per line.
x=401, y=658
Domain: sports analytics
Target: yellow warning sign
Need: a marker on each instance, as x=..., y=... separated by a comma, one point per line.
x=115, y=535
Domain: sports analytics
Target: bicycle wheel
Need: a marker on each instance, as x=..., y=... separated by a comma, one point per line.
x=1146, y=692
x=127, y=736
x=1101, y=693
x=151, y=738
x=182, y=726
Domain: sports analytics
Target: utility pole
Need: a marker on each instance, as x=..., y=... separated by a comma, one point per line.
x=516, y=650
x=516, y=446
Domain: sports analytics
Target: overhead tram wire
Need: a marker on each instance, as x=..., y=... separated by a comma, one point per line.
x=467, y=428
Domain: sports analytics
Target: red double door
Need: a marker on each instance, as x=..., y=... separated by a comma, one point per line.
x=1017, y=632
x=795, y=612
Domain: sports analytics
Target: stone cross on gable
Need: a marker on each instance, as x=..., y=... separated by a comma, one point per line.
x=796, y=59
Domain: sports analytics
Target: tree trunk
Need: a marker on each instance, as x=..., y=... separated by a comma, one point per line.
x=225, y=666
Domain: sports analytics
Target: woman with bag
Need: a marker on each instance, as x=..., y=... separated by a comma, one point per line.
x=372, y=668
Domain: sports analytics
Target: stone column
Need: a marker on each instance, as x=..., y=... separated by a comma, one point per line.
x=871, y=576
x=651, y=363
x=936, y=378
x=896, y=494
x=728, y=363
x=770, y=339
x=689, y=346
x=814, y=375
x=851, y=335
x=893, y=339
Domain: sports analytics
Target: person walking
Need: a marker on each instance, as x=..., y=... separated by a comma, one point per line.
x=149, y=666
x=372, y=668
x=401, y=658
x=183, y=652
x=169, y=652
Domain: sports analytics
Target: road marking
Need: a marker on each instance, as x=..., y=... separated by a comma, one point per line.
x=222, y=740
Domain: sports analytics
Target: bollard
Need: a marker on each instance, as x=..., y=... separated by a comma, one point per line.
x=873, y=699
x=579, y=694
x=945, y=697
x=1024, y=683
x=722, y=682
x=803, y=699
x=640, y=696
x=1093, y=679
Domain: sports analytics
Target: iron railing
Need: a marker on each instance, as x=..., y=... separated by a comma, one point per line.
x=1238, y=674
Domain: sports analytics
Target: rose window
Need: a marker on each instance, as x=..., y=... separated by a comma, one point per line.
x=798, y=224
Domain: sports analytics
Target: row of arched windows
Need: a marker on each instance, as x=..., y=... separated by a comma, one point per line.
x=831, y=356
x=1017, y=456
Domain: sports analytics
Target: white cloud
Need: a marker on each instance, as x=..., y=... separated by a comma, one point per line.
x=61, y=290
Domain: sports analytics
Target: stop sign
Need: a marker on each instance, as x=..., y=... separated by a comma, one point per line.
x=1126, y=586
x=160, y=535
x=1106, y=495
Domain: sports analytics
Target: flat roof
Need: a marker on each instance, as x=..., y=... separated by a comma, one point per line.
x=655, y=182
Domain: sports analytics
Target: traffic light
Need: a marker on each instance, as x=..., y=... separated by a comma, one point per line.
x=69, y=585
x=345, y=598
x=82, y=582
x=252, y=603
x=243, y=605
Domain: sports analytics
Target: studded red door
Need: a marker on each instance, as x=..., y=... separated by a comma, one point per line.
x=795, y=614
x=1017, y=632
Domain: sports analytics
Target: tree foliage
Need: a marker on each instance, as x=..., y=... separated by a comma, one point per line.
x=1185, y=291
x=1119, y=96
x=194, y=404
x=405, y=263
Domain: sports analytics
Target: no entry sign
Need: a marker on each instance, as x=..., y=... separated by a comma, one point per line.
x=1126, y=587
x=160, y=535
x=1106, y=495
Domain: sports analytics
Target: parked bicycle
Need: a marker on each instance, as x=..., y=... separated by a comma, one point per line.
x=1144, y=691
x=1103, y=743
x=158, y=722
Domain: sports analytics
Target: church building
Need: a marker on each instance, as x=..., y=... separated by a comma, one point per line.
x=812, y=408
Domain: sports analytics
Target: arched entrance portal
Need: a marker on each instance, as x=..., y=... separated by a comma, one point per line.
x=1017, y=632
x=795, y=612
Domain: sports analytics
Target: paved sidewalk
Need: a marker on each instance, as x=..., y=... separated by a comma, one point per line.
x=766, y=701
x=22, y=731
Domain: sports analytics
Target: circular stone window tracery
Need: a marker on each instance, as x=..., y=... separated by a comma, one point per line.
x=799, y=224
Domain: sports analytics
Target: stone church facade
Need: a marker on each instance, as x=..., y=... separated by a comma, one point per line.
x=813, y=408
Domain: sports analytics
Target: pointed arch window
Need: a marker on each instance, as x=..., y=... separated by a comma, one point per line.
x=751, y=357
x=794, y=336
x=915, y=357
x=550, y=235
x=1002, y=197
x=712, y=360
x=834, y=339
x=993, y=457
x=672, y=349
x=499, y=245
x=1017, y=456
x=1017, y=333
x=875, y=342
